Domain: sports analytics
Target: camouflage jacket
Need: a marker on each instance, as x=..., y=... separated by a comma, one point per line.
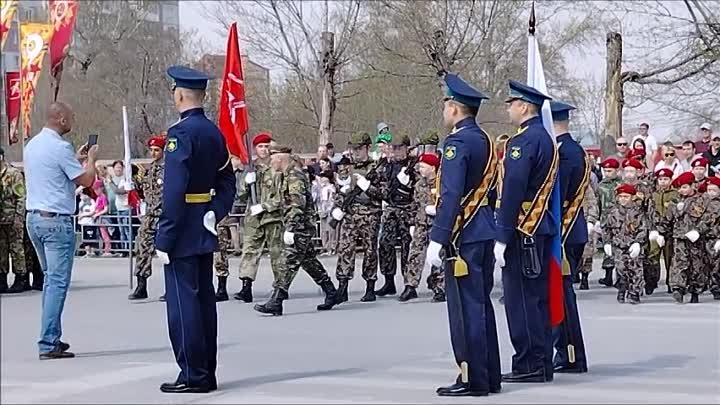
x=590, y=206
x=711, y=219
x=152, y=186
x=299, y=214
x=684, y=216
x=644, y=193
x=362, y=202
x=424, y=195
x=625, y=226
x=268, y=193
x=660, y=201
x=12, y=195
x=606, y=196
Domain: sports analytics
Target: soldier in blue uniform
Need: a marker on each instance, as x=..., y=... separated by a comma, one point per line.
x=463, y=232
x=525, y=228
x=574, y=175
x=199, y=187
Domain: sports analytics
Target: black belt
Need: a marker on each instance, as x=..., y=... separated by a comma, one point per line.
x=48, y=214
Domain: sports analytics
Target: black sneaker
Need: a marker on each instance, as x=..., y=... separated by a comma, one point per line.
x=56, y=354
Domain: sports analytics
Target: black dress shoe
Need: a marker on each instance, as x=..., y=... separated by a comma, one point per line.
x=568, y=369
x=62, y=346
x=460, y=390
x=56, y=354
x=182, y=388
x=533, y=377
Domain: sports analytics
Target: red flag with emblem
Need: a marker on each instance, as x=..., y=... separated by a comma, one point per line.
x=233, y=119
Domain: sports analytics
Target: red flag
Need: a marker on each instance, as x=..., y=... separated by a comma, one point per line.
x=12, y=104
x=63, y=14
x=233, y=119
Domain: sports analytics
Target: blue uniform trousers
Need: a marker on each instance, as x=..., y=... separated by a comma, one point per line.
x=526, y=308
x=570, y=331
x=473, y=332
x=192, y=317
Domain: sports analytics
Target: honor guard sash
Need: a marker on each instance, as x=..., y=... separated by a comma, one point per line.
x=570, y=213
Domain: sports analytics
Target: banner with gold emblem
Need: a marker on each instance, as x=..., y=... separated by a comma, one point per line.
x=12, y=104
x=34, y=43
x=62, y=16
x=7, y=12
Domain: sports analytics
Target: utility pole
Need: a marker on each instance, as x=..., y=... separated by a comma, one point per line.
x=614, y=97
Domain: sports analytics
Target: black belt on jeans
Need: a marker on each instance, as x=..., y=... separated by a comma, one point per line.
x=47, y=214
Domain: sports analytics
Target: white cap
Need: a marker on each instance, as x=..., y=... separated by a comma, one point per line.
x=706, y=126
x=382, y=126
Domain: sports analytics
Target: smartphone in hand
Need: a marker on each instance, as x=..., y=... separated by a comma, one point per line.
x=92, y=140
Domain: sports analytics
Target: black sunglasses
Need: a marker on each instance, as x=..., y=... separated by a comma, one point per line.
x=622, y=144
x=669, y=154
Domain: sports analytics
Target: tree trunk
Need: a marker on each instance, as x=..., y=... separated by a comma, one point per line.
x=327, y=110
x=614, y=98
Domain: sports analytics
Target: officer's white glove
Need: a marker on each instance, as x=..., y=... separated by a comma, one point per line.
x=716, y=248
x=164, y=258
x=250, y=178
x=654, y=235
x=608, y=250
x=412, y=232
x=337, y=214
x=660, y=240
x=288, y=238
x=430, y=210
x=209, y=222
x=591, y=228
x=499, y=252
x=433, y=254
x=634, y=250
x=598, y=228
x=403, y=177
x=345, y=189
x=362, y=182
x=693, y=236
x=256, y=209
x=384, y=205
x=680, y=206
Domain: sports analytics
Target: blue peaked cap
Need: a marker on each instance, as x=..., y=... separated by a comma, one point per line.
x=560, y=110
x=519, y=91
x=188, y=78
x=458, y=90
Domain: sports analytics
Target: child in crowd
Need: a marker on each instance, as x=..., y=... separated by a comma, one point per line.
x=324, y=204
x=712, y=224
x=661, y=199
x=86, y=210
x=101, y=208
x=605, y=201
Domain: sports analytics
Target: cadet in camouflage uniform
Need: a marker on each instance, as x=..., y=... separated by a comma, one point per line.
x=12, y=214
x=423, y=205
x=152, y=187
x=606, y=200
x=358, y=206
x=299, y=227
x=660, y=200
x=592, y=217
x=397, y=217
x=626, y=229
x=684, y=222
x=220, y=259
x=712, y=225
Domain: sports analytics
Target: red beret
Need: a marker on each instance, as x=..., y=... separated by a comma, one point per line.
x=626, y=189
x=702, y=187
x=430, y=158
x=633, y=163
x=699, y=162
x=262, y=137
x=156, y=141
x=685, y=178
x=610, y=163
x=636, y=153
x=714, y=181
x=664, y=173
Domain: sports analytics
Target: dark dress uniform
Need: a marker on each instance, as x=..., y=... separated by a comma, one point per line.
x=198, y=179
x=527, y=168
x=574, y=175
x=464, y=226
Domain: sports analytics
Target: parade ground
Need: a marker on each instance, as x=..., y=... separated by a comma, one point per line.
x=381, y=352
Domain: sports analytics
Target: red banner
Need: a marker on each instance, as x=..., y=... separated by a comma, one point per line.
x=233, y=119
x=62, y=17
x=7, y=11
x=12, y=104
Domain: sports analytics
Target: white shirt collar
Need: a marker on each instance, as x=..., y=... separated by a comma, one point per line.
x=51, y=132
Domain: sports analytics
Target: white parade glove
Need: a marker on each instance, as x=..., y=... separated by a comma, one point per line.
x=209, y=222
x=412, y=232
x=337, y=214
x=433, y=254
x=660, y=240
x=716, y=248
x=693, y=236
x=164, y=258
x=654, y=235
x=384, y=205
x=250, y=178
x=634, y=250
x=499, y=252
x=362, y=182
x=680, y=206
x=256, y=209
x=345, y=189
x=598, y=228
x=430, y=210
x=403, y=177
x=608, y=250
x=591, y=228
x=288, y=238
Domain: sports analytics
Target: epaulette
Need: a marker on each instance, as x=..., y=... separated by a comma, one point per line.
x=177, y=122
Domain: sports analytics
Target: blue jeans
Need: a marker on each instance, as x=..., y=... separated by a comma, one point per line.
x=54, y=241
x=125, y=227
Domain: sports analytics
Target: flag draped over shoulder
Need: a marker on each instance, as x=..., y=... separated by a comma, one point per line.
x=232, y=118
x=536, y=79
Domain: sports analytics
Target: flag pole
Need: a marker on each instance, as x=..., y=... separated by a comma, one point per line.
x=128, y=179
x=248, y=145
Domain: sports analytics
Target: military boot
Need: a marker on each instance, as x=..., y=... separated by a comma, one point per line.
x=634, y=298
x=621, y=296
x=331, y=295
x=678, y=296
x=3, y=283
x=221, y=293
x=245, y=294
x=584, y=281
x=607, y=281
x=388, y=288
x=140, y=292
x=408, y=294
x=26, y=282
x=694, y=298
x=18, y=285
x=274, y=304
x=439, y=295
x=342, y=293
x=38, y=281
x=369, y=292
x=716, y=295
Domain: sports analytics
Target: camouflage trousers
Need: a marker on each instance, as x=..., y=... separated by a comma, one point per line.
x=254, y=240
x=688, y=269
x=145, y=245
x=396, y=223
x=713, y=267
x=587, y=256
x=629, y=270
x=358, y=230
x=416, y=262
x=11, y=245
x=220, y=258
x=652, y=263
x=302, y=254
